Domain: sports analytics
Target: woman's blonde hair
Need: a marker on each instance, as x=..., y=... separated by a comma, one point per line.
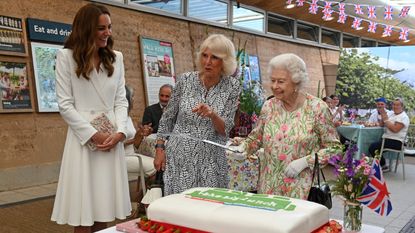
x=82, y=40
x=221, y=47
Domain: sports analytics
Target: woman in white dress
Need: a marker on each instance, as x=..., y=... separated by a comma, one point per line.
x=93, y=184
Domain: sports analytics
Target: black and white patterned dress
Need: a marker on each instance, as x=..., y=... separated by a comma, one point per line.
x=189, y=162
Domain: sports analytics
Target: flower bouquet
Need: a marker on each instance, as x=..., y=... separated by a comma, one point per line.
x=351, y=178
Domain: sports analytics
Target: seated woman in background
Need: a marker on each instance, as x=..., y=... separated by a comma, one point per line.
x=134, y=138
x=396, y=127
x=337, y=110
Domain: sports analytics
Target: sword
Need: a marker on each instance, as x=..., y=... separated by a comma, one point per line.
x=202, y=140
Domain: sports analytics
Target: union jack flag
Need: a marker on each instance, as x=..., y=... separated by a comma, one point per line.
x=358, y=9
x=371, y=12
x=403, y=35
x=356, y=23
x=342, y=18
x=327, y=7
x=375, y=194
x=388, y=12
x=341, y=8
x=327, y=15
x=387, y=30
x=372, y=27
x=300, y=2
x=404, y=11
x=313, y=7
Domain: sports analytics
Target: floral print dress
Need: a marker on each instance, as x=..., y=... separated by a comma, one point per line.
x=287, y=136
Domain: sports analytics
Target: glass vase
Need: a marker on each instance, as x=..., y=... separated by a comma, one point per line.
x=352, y=218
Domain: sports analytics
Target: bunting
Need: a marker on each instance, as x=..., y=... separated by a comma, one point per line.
x=342, y=18
x=356, y=23
x=404, y=11
x=371, y=12
x=387, y=30
x=342, y=9
x=388, y=12
x=372, y=27
x=358, y=9
x=327, y=15
x=403, y=35
x=313, y=7
x=300, y=2
x=327, y=7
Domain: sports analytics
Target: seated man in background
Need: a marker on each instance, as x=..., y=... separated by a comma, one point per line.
x=396, y=126
x=375, y=116
x=152, y=114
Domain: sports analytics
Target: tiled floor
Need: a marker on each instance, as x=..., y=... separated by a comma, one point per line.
x=401, y=196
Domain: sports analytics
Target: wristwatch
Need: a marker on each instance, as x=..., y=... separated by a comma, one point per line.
x=160, y=145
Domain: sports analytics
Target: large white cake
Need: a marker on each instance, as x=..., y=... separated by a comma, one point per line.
x=223, y=210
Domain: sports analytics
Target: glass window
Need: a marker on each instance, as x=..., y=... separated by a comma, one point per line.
x=383, y=44
x=330, y=37
x=280, y=25
x=243, y=17
x=350, y=42
x=211, y=10
x=368, y=43
x=307, y=32
x=173, y=6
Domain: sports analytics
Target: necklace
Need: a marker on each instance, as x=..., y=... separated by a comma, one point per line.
x=299, y=101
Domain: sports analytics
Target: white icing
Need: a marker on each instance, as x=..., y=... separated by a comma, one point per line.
x=208, y=216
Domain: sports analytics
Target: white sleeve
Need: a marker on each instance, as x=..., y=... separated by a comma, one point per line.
x=66, y=101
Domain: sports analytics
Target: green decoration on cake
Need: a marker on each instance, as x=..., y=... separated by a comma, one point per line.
x=238, y=198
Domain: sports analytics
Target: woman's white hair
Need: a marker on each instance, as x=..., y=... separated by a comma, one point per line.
x=221, y=47
x=293, y=64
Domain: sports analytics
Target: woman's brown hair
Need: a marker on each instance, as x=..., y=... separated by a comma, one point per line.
x=82, y=41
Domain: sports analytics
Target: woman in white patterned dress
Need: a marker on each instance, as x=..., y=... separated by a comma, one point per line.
x=202, y=106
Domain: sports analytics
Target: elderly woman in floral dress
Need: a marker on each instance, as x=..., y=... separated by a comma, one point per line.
x=292, y=127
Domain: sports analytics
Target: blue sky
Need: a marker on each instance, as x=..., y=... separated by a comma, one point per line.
x=400, y=57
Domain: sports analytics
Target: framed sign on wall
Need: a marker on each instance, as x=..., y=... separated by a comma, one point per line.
x=254, y=68
x=12, y=36
x=158, y=66
x=44, y=56
x=15, y=84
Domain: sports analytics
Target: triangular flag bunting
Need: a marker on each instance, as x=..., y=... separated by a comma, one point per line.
x=313, y=7
x=356, y=23
x=387, y=30
x=388, y=12
x=342, y=18
x=358, y=9
x=404, y=11
x=403, y=35
x=371, y=12
x=372, y=27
